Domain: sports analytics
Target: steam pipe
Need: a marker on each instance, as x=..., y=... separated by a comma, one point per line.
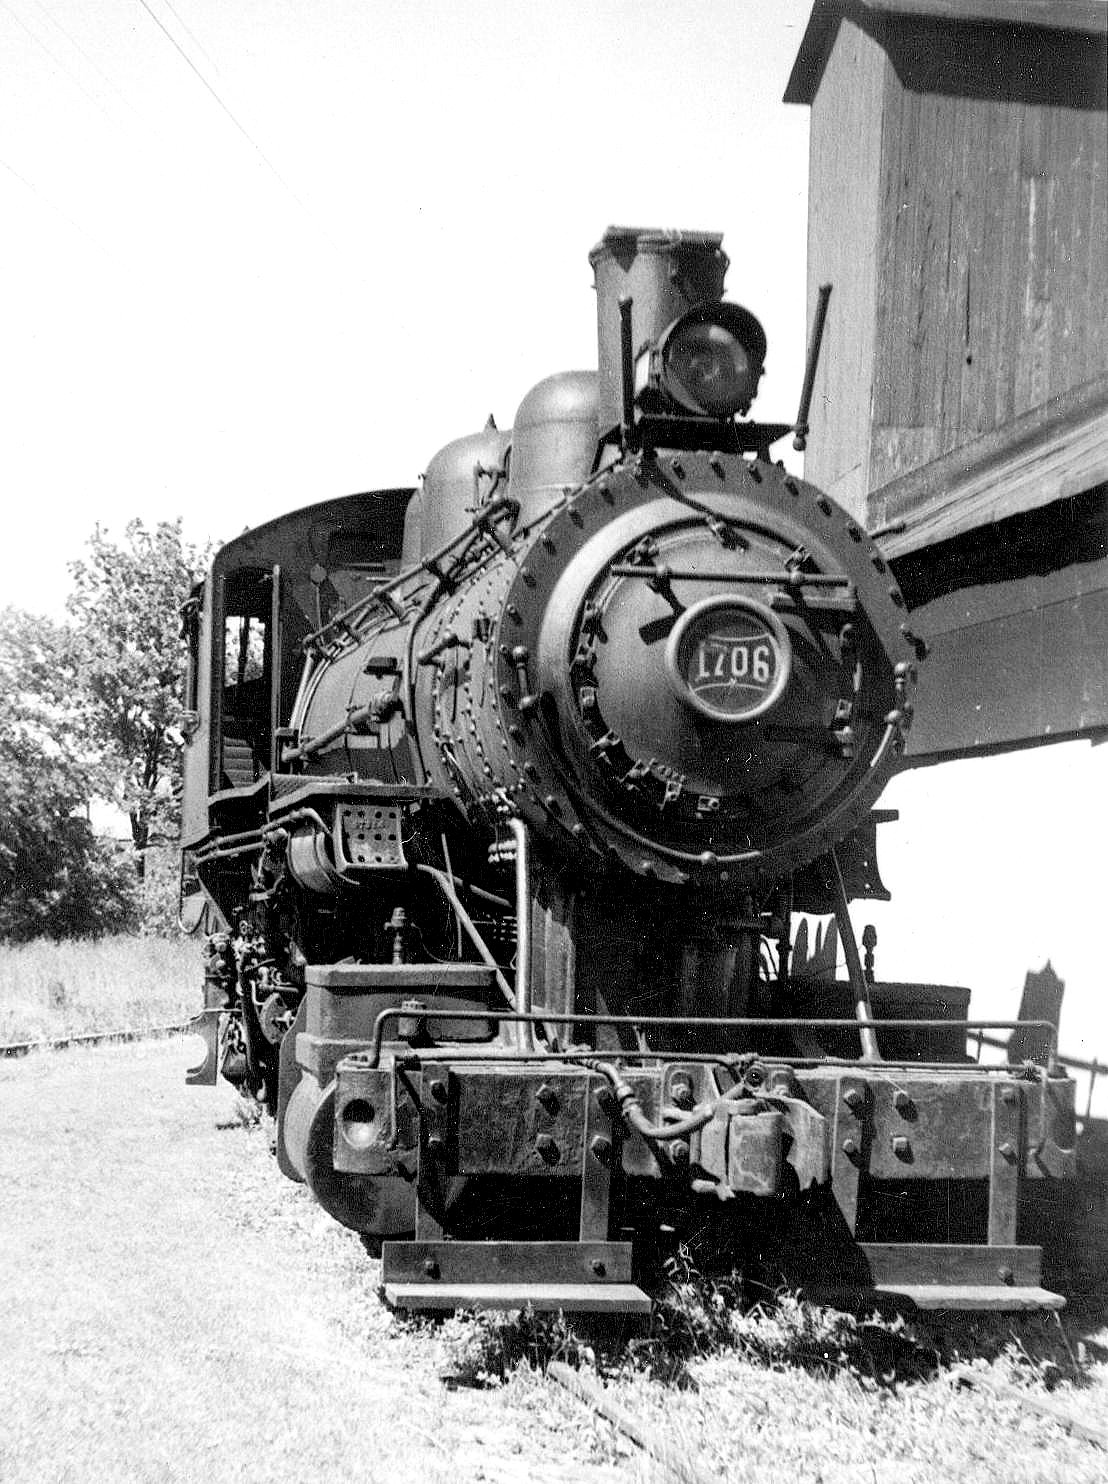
x=523, y=932
x=475, y=938
x=858, y=982
x=483, y=521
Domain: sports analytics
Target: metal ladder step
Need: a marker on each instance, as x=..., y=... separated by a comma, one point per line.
x=581, y=1298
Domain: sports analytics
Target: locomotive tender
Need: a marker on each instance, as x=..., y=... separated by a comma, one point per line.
x=502, y=795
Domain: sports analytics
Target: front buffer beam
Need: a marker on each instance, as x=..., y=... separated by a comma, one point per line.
x=849, y=1166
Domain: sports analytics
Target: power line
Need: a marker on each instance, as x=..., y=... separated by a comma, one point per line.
x=77, y=47
x=266, y=161
x=192, y=36
x=58, y=63
x=46, y=201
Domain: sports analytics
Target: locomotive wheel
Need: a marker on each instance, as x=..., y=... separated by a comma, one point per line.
x=382, y=1205
x=288, y=1078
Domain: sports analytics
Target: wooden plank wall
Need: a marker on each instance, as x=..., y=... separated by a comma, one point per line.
x=845, y=192
x=992, y=271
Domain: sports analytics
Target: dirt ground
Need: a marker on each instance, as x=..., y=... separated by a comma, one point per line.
x=170, y=1309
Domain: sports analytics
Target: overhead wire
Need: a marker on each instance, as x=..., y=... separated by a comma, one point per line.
x=192, y=36
x=79, y=49
x=241, y=127
x=53, y=205
x=56, y=60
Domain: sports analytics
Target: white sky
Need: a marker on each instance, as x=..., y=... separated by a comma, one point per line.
x=196, y=326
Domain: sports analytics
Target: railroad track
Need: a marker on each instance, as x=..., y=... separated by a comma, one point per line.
x=95, y=1038
x=674, y=1463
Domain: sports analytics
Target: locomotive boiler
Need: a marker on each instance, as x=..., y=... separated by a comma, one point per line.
x=503, y=796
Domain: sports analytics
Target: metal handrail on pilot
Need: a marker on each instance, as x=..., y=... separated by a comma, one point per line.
x=1094, y=1068
x=729, y=1022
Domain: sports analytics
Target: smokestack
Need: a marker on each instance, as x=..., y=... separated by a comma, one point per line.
x=664, y=273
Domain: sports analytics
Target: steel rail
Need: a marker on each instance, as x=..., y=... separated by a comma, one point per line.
x=95, y=1038
x=670, y=1455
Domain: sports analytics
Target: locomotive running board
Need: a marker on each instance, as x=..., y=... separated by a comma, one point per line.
x=581, y=1277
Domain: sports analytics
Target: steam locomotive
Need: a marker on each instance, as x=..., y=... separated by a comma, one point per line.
x=503, y=796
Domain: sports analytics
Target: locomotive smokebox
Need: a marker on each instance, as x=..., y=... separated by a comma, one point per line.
x=664, y=273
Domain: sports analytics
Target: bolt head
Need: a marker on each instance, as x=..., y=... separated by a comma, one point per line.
x=854, y=1098
x=601, y=1147
x=1008, y=1150
x=437, y=1090
x=850, y=1147
x=682, y=1093
x=430, y=1268
x=436, y=1143
x=679, y=1152
x=901, y=1147
x=548, y=1098
x=598, y=1267
x=548, y=1149
x=902, y=1102
x=1005, y=1275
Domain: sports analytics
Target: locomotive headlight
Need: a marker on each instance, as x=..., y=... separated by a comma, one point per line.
x=709, y=361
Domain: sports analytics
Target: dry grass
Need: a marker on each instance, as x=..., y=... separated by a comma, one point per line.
x=169, y=1303
x=173, y=1310
x=48, y=989
x=810, y=1393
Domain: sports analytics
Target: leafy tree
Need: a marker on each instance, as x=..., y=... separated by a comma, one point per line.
x=56, y=878
x=129, y=658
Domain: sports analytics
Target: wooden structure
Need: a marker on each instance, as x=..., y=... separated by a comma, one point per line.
x=959, y=208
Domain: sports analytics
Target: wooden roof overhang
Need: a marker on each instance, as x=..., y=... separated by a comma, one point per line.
x=1001, y=549
x=874, y=17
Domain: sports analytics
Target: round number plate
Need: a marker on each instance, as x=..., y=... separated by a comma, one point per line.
x=729, y=658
